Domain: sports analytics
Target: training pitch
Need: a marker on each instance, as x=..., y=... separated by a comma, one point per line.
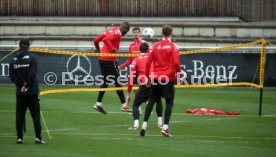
x=74, y=129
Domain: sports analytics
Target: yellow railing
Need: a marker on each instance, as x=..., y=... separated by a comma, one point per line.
x=213, y=50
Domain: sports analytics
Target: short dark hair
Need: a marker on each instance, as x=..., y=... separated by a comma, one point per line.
x=126, y=25
x=136, y=28
x=24, y=43
x=144, y=47
x=167, y=30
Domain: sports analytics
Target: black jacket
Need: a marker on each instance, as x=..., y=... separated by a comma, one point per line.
x=23, y=69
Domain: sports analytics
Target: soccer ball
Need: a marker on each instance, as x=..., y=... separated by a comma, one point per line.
x=148, y=33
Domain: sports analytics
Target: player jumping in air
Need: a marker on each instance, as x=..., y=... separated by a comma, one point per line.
x=111, y=39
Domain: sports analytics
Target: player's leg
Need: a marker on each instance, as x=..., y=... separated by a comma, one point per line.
x=168, y=112
x=168, y=93
x=159, y=111
x=101, y=93
x=154, y=95
x=141, y=96
x=34, y=107
x=167, y=116
x=120, y=93
x=121, y=96
x=135, y=83
x=136, y=114
x=98, y=106
x=104, y=70
x=147, y=115
x=21, y=108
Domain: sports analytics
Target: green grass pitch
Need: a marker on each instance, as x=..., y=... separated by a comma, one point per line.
x=79, y=131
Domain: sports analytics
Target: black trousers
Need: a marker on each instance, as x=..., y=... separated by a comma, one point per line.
x=22, y=103
x=157, y=91
x=142, y=95
x=108, y=69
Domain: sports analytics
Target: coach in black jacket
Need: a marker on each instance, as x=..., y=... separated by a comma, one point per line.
x=23, y=69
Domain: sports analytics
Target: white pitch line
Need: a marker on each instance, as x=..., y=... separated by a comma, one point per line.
x=8, y=135
x=177, y=114
x=13, y=136
x=64, y=129
x=182, y=136
x=185, y=114
x=111, y=126
x=116, y=138
x=98, y=134
x=221, y=118
x=151, y=135
x=173, y=122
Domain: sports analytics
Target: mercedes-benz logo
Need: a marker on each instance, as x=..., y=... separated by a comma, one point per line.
x=81, y=68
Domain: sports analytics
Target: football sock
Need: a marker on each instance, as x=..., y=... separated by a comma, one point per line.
x=136, y=123
x=98, y=103
x=159, y=120
x=165, y=126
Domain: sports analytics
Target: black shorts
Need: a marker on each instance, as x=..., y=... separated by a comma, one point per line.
x=109, y=68
x=165, y=91
x=142, y=93
x=110, y=72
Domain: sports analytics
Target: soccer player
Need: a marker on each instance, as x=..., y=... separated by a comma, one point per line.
x=142, y=95
x=23, y=69
x=111, y=39
x=166, y=63
x=134, y=48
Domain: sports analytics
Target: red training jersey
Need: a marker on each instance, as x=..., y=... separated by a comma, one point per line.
x=112, y=39
x=165, y=58
x=134, y=48
x=138, y=70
